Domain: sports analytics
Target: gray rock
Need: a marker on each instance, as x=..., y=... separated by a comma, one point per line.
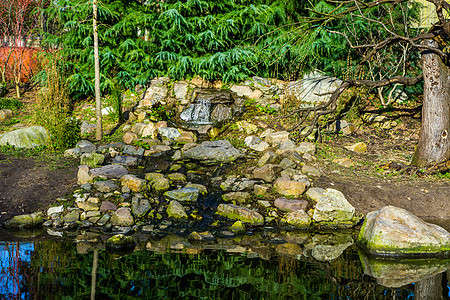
x=122, y=217
x=30, y=137
x=241, y=90
x=180, y=90
x=287, y=163
x=287, y=145
x=333, y=207
x=239, y=197
x=313, y=89
x=107, y=206
x=125, y=160
x=139, y=207
x=104, y=220
x=25, y=221
x=289, y=205
x=169, y=133
x=133, y=150
x=107, y=186
x=73, y=152
x=260, y=147
x=86, y=146
x=55, y=210
x=213, y=152
x=110, y=171
x=72, y=216
x=235, y=212
x=252, y=140
x=186, y=194
x=176, y=211
x=396, y=231
x=237, y=185
x=268, y=158
x=201, y=188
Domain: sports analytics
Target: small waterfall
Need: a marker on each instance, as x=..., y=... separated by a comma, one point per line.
x=198, y=112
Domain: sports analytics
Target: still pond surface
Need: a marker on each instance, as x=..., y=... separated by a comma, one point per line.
x=241, y=268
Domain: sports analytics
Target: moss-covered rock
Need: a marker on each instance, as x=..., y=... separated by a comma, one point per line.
x=176, y=211
x=186, y=194
x=397, y=232
x=235, y=212
x=26, y=137
x=25, y=221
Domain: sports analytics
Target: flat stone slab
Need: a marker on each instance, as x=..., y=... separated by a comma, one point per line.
x=290, y=205
x=186, y=194
x=213, y=152
x=110, y=171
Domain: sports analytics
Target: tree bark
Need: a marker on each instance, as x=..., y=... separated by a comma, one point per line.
x=434, y=141
x=98, y=103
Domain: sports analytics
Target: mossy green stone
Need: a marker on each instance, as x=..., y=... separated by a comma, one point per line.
x=25, y=221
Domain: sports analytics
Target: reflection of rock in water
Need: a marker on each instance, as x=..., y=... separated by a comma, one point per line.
x=397, y=273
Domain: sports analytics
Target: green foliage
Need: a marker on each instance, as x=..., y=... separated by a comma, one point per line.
x=229, y=40
x=53, y=111
x=10, y=103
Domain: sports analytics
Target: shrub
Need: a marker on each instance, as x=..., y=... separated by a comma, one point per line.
x=53, y=110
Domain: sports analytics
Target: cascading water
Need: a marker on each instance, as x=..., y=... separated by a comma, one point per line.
x=198, y=113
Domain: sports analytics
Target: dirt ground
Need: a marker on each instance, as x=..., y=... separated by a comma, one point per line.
x=29, y=184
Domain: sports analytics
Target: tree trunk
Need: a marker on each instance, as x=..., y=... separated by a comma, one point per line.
x=98, y=103
x=434, y=142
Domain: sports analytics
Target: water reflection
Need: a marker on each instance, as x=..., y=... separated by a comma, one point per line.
x=240, y=268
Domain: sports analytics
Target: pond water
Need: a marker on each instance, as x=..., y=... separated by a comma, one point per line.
x=239, y=268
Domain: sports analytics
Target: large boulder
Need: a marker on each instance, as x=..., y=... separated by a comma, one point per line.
x=333, y=207
x=29, y=137
x=25, y=221
x=213, y=152
x=315, y=88
x=396, y=231
x=235, y=212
